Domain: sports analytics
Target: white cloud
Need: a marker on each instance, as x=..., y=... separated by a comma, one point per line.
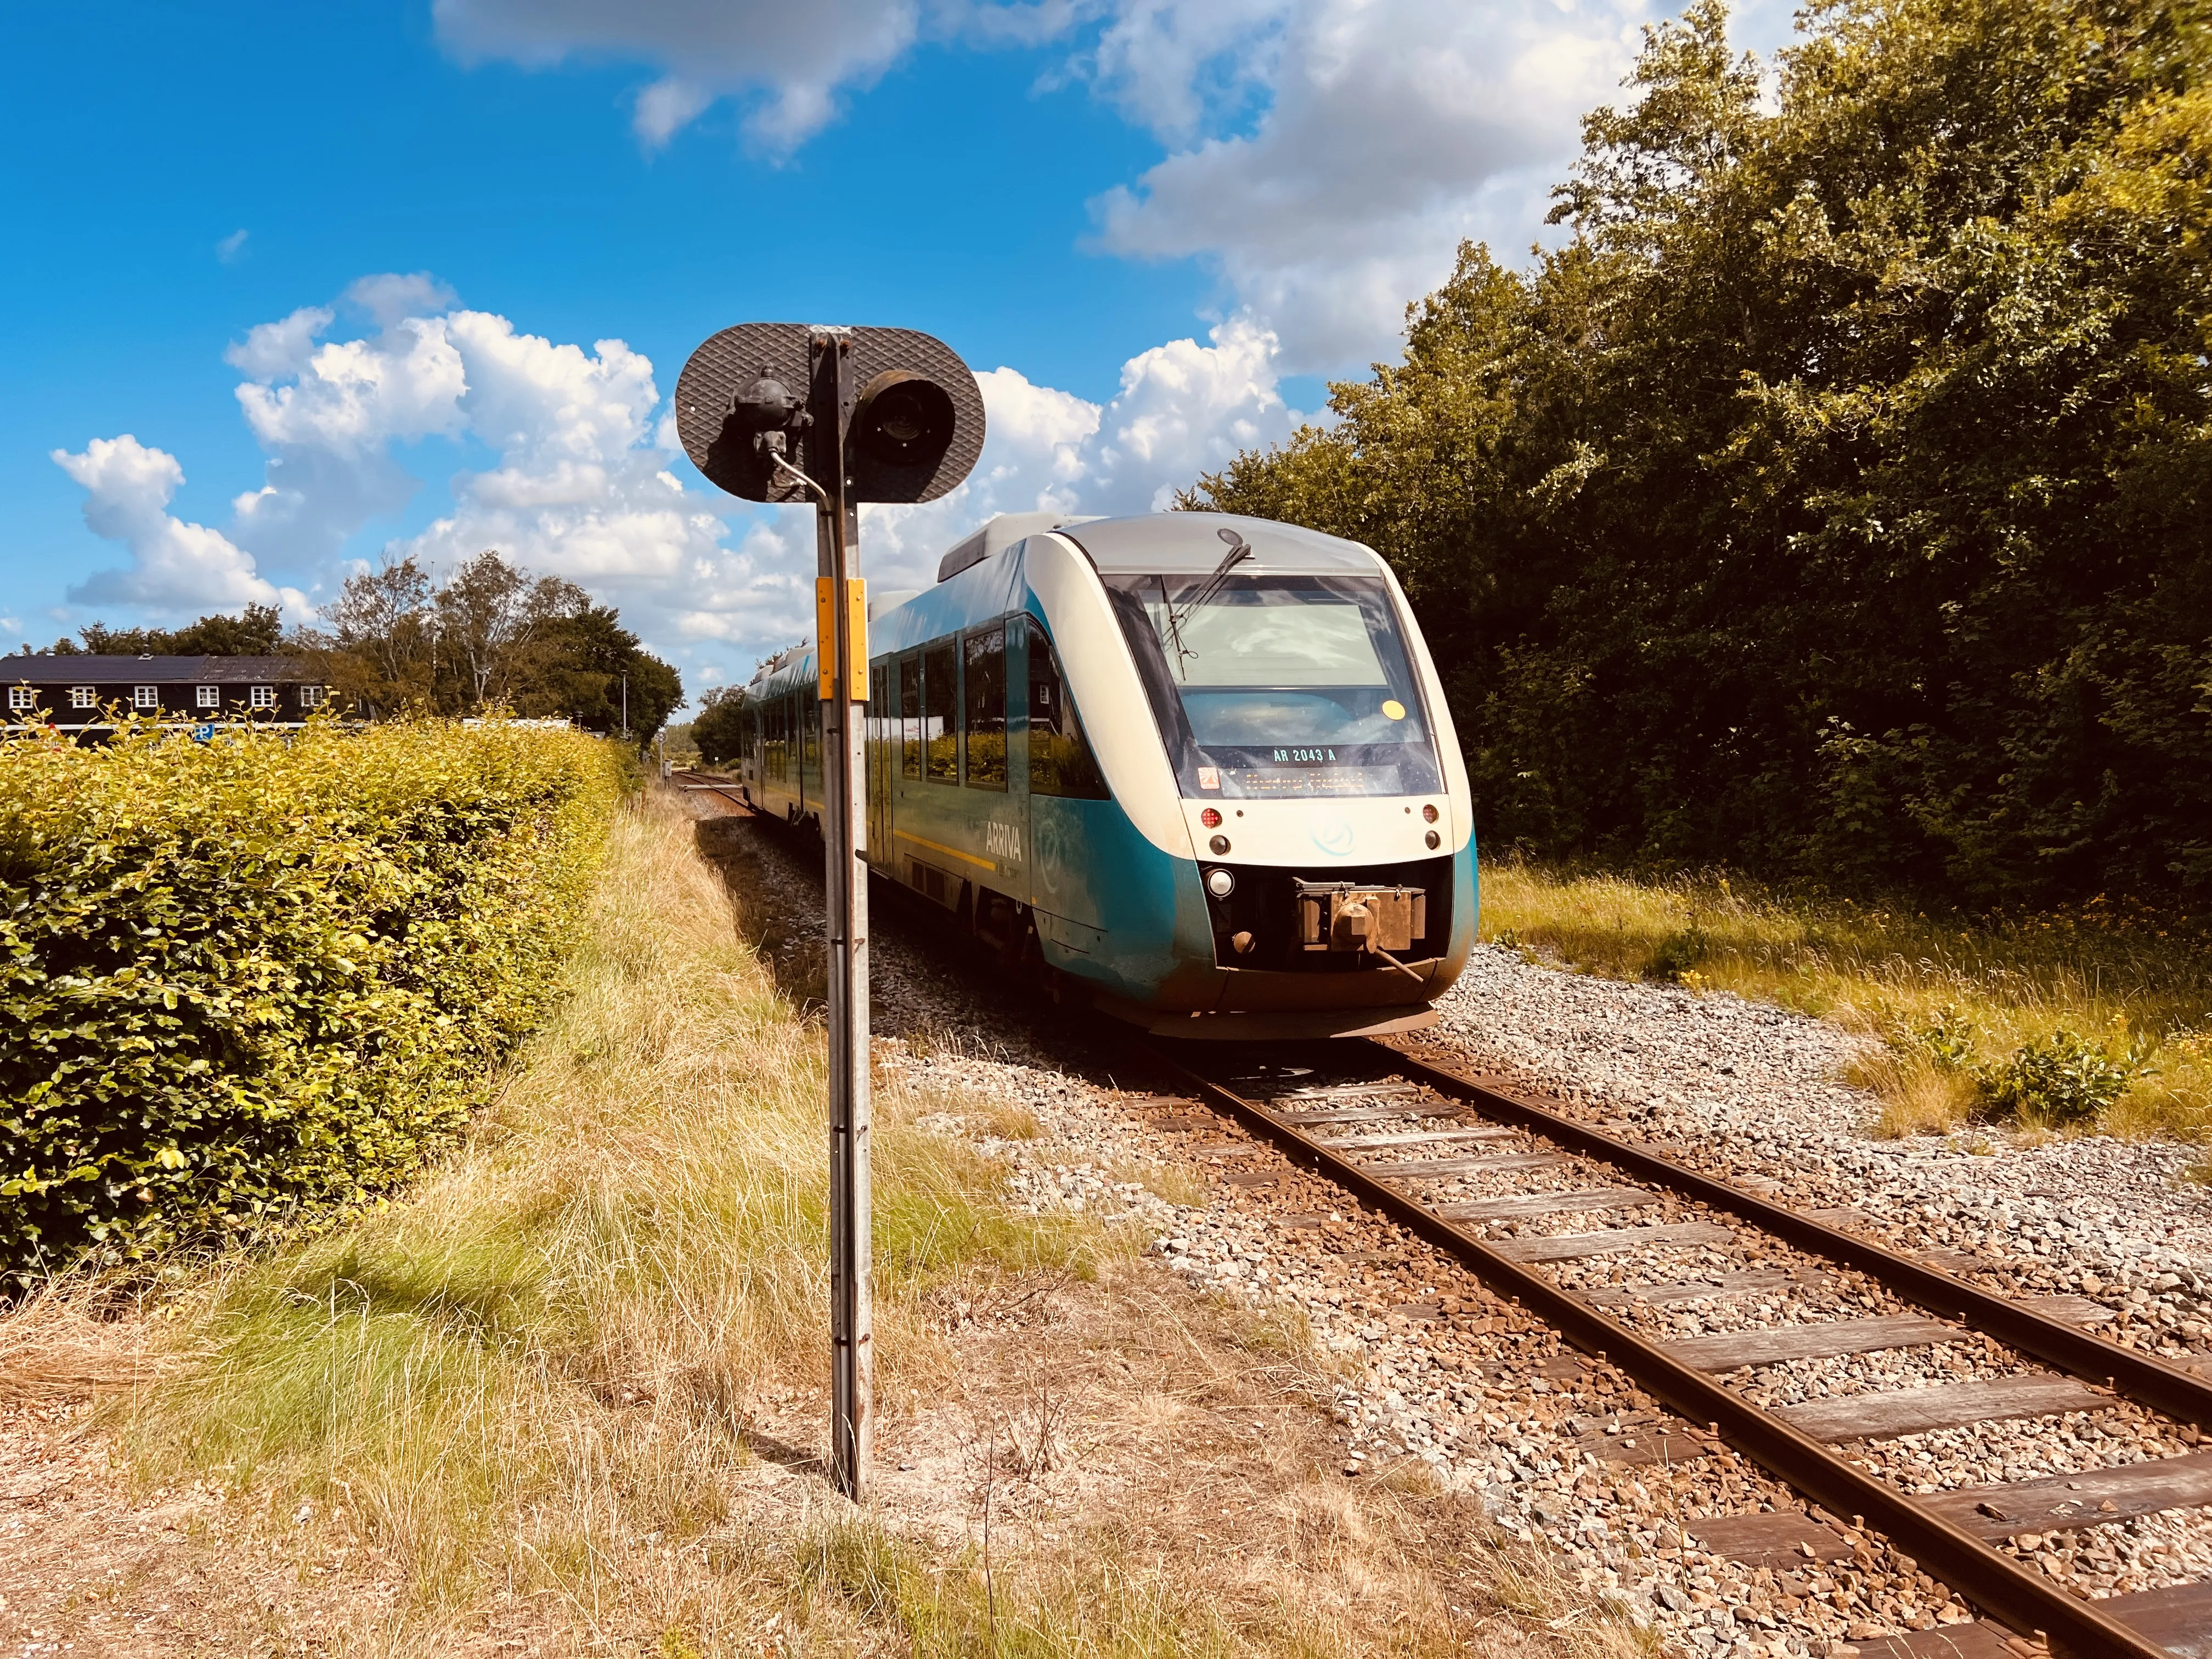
x=667, y=106
x=330, y=430
x=789, y=60
x=271, y=350
x=232, y=248
x=1326, y=156
x=176, y=566
x=1178, y=67
x=391, y=295
x=1183, y=407
x=1395, y=128
x=583, y=482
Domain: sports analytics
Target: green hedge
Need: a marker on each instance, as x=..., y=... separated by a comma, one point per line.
x=249, y=979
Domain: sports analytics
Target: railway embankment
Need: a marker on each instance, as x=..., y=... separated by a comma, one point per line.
x=1637, y=1510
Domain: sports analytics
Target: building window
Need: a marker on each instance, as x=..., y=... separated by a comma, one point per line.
x=82, y=696
x=21, y=697
x=208, y=697
x=311, y=697
x=262, y=697
x=145, y=696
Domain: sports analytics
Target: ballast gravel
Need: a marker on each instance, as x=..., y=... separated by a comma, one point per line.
x=1431, y=1370
x=1744, y=1090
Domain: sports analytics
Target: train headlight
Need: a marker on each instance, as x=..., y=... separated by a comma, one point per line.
x=1219, y=845
x=1433, y=839
x=1220, y=883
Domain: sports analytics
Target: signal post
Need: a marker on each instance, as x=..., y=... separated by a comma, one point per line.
x=789, y=412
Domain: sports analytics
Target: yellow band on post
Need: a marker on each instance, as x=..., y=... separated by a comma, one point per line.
x=856, y=635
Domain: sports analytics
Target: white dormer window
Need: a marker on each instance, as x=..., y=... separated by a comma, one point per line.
x=145, y=696
x=83, y=696
x=21, y=698
x=262, y=697
x=207, y=696
x=311, y=697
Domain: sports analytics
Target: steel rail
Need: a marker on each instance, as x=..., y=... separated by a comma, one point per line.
x=728, y=791
x=2138, y=1376
x=2022, y=1600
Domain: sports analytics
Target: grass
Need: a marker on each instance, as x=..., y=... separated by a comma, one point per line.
x=1964, y=1008
x=548, y=1396
x=548, y=1348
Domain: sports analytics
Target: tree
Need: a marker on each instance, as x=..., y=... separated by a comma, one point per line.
x=719, y=728
x=381, y=649
x=488, y=616
x=492, y=637
x=1833, y=502
x=584, y=660
x=258, y=633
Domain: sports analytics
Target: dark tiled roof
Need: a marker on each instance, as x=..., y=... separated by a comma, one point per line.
x=158, y=670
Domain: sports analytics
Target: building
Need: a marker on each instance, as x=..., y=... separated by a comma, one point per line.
x=80, y=694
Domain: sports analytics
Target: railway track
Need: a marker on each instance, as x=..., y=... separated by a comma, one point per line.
x=1600, y=1236
x=1544, y=1209
x=695, y=783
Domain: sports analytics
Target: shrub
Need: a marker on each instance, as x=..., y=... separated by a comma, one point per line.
x=255, y=977
x=2059, y=1078
x=1947, y=1041
x=1677, y=954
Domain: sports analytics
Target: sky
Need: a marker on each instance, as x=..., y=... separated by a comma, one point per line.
x=303, y=289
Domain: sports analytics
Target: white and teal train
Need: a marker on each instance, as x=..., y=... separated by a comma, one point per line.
x=1195, y=767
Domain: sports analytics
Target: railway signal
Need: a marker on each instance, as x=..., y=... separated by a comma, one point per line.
x=796, y=412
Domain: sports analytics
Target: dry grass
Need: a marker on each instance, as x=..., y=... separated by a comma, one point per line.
x=53, y=1347
x=1893, y=973
x=564, y=1396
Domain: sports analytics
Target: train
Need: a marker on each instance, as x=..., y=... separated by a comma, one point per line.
x=1193, y=768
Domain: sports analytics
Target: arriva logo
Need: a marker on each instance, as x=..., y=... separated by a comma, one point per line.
x=1333, y=837
x=1003, y=842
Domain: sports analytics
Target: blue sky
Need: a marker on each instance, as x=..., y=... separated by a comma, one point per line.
x=301, y=287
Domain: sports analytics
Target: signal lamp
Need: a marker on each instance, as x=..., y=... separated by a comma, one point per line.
x=763, y=404
x=1433, y=839
x=903, y=419
x=1210, y=818
x=1430, y=813
x=1219, y=845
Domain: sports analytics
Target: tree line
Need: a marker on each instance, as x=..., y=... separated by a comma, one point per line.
x=1832, y=500
x=490, y=637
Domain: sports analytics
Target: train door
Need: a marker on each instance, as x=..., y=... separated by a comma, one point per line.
x=1018, y=751
x=1064, y=784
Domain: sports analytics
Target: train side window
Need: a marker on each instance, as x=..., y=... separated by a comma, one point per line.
x=1060, y=761
x=810, y=712
x=909, y=678
x=984, y=729
x=941, y=667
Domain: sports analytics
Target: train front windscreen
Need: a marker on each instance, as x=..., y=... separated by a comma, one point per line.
x=1279, y=686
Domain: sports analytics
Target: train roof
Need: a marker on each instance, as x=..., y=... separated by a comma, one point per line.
x=1166, y=543
x=1176, y=544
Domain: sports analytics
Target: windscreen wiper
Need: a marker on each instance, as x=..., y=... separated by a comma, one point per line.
x=1239, y=551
